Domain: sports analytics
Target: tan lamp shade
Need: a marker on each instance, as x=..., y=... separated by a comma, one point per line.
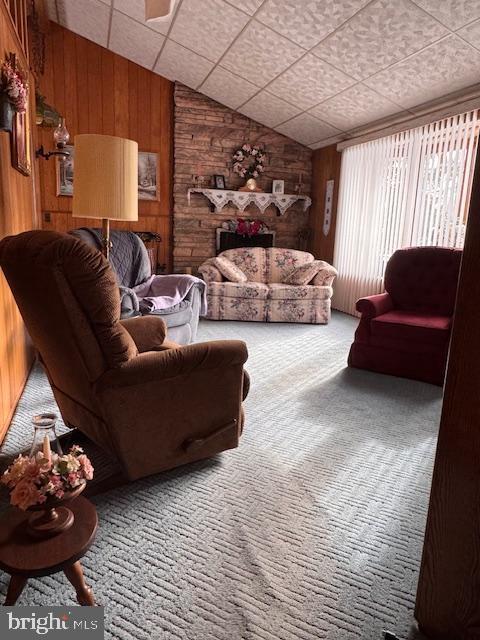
x=105, y=178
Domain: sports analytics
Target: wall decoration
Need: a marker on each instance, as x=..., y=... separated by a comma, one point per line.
x=13, y=112
x=65, y=172
x=255, y=155
x=148, y=176
x=278, y=187
x=219, y=182
x=21, y=144
x=327, y=213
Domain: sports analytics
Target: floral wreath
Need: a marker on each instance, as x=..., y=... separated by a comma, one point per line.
x=255, y=168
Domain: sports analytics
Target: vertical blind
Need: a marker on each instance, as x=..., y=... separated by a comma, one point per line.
x=408, y=189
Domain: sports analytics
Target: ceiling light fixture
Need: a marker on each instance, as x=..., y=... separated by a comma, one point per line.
x=158, y=9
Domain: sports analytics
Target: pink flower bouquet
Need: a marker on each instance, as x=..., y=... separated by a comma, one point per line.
x=14, y=85
x=33, y=480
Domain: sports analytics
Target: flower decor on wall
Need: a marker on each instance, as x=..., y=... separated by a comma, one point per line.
x=252, y=154
x=14, y=84
x=245, y=227
x=47, y=475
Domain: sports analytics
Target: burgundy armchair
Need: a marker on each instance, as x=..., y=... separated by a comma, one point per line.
x=406, y=330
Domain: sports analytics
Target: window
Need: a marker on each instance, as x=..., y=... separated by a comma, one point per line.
x=409, y=189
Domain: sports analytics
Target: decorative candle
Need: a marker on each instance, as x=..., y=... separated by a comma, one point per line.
x=47, y=452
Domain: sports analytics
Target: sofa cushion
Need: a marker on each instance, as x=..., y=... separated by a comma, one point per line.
x=250, y=260
x=408, y=325
x=229, y=269
x=303, y=274
x=281, y=262
x=280, y=291
x=256, y=290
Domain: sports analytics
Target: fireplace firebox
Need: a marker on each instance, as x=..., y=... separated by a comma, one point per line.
x=231, y=240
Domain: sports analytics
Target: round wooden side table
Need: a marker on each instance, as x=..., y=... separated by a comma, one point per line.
x=24, y=557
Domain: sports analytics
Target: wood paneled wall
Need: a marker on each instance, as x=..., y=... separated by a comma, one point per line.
x=448, y=597
x=17, y=214
x=326, y=166
x=100, y=92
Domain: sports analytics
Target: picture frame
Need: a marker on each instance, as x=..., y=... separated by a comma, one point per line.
x=64, y=171
x=21, y=144
x=148, y=178
x=219, y=182
x=278, y=187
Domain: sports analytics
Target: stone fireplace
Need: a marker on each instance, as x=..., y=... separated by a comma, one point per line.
x=206, y=135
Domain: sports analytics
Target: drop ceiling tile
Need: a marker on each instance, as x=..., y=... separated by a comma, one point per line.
x=310, y=21
x=132, y=40
x=136, y=10
x=249, y=6
x=89, y=19
x=309, y=81
x=471, y=33
x=354, y=107
x=178, y=63
x=228, y=89
x=207, y=27
x=268, y=109
x=270, y=54
x=442, y=68
x=306, y=129
x=383, y=33
x=453, y=13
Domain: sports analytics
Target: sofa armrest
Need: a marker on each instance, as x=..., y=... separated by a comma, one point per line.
x=170, y=363
x=209, y=272
x=325, y=276
x=148, y=332
x=374, y=306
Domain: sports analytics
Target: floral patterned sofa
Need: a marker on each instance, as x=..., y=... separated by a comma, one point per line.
x=264, y=297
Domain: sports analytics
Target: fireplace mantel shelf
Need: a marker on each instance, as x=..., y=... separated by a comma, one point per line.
x=241, y=199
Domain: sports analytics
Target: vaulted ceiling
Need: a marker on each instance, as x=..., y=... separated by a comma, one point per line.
x=314, y=70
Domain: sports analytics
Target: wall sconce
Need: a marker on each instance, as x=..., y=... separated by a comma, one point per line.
x=61, y=137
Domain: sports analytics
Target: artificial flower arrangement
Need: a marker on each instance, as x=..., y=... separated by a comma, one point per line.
x=256, y=168
x=246, y=227
x=32, y=481
x=14, y=84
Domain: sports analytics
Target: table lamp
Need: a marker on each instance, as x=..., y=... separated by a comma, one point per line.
x=105, y=181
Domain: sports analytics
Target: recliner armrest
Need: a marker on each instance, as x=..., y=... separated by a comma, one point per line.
x=148, y=332
x=374, y=306
x=151, y=367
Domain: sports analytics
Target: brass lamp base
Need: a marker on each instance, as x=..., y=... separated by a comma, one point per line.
x=106, y=242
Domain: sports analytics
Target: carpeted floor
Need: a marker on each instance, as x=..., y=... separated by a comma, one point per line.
x=311, y=529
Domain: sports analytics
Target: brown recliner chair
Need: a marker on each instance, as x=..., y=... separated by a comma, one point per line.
x=153, y=404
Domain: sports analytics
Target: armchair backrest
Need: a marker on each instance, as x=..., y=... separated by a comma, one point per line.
x=267, y=265
x=251, y=260
x=128, y=254
x=424, y=279
x=69, y=300
x=280, y=262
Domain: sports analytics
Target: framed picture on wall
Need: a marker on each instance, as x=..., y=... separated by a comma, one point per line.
x=148, y=176
x=65, y=172
x=21, y=150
